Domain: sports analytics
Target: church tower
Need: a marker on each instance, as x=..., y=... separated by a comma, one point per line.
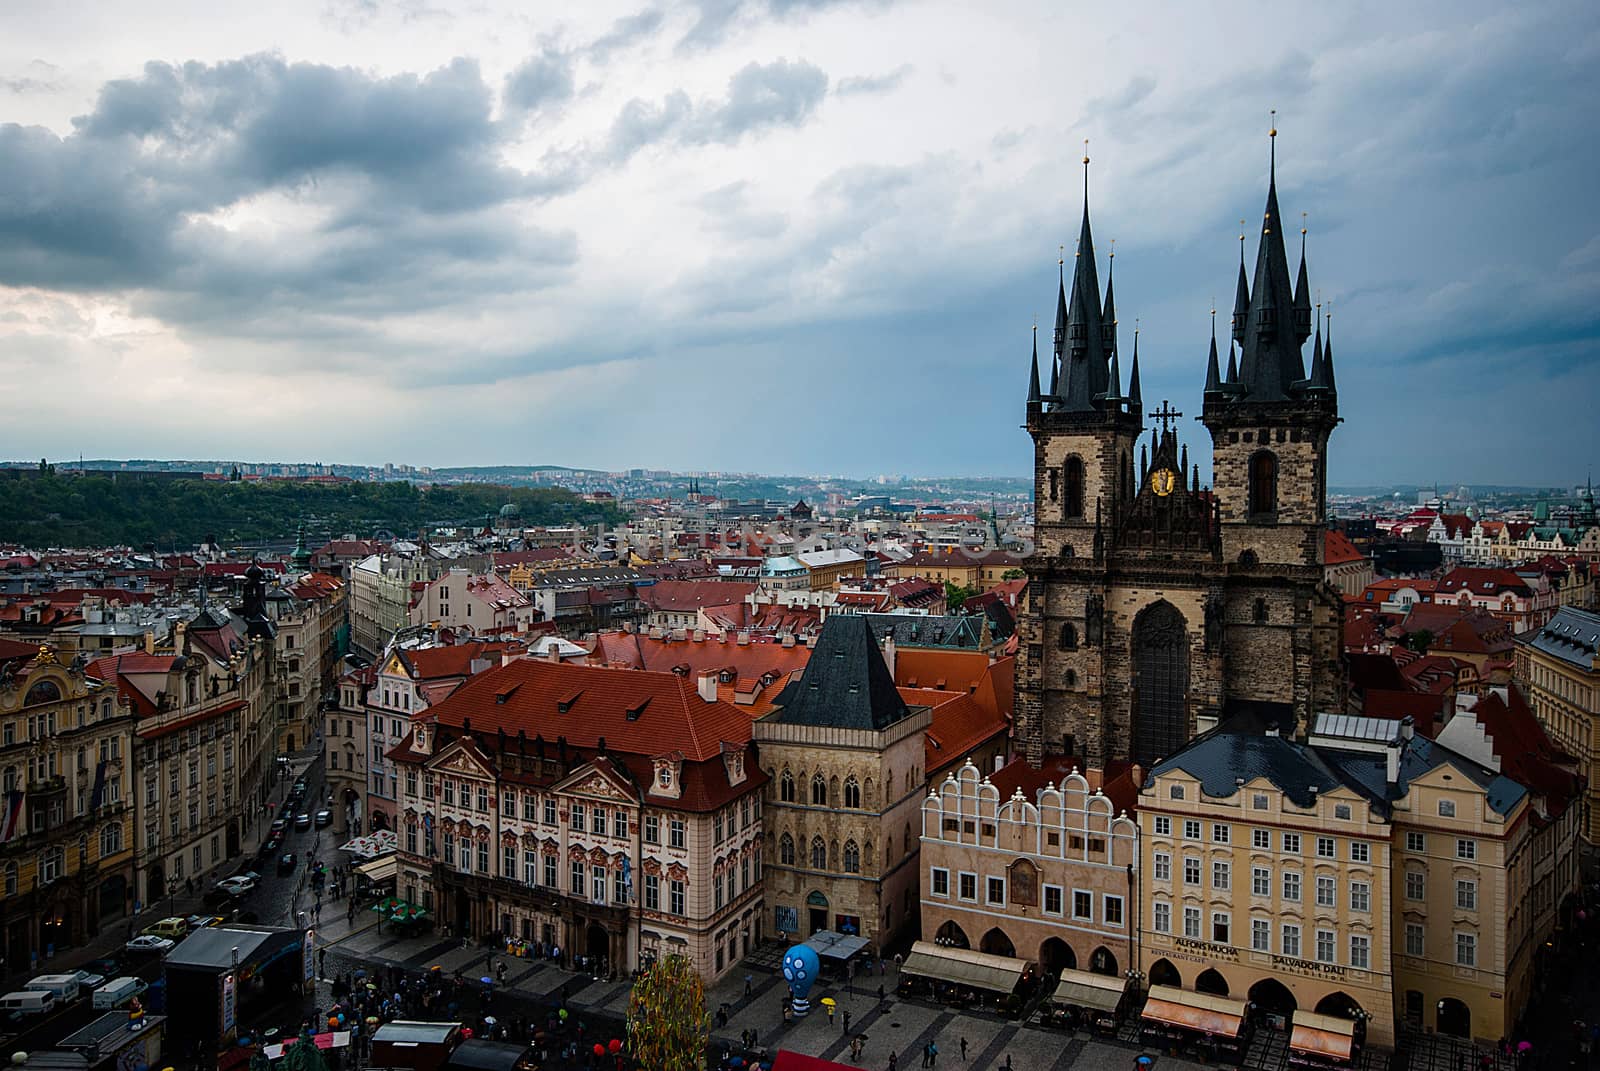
x=1270, y=423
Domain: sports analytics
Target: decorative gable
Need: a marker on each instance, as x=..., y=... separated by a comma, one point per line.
x=733, y=762
x=666, y=779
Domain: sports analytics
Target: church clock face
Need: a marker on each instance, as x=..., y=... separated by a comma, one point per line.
x=1162, y=481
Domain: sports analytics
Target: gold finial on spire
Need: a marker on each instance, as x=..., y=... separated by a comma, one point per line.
x=1085, y=152
x=1113, y=249
x=1061, y=251
x=1274, y=131
x=1302, y=223
x=1077, y=250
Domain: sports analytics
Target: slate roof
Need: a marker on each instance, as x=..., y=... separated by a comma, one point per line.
x=918, y=630
x=846, y=684
x=1573, y=636
x=1219, y=759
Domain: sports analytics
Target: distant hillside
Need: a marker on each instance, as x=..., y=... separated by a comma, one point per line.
x=92, y=510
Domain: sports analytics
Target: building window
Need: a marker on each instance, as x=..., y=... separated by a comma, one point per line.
x=597, y=887
x=852, y=858
x=786, y=850
x=449, y=787
x=1259, y=802
x=1360, y=951
x=1341, y=811
x=1416, y=842
x=1113, y=910
x=549, y=811
x=675, y=897
x=1291, y=844
x=1163, y=918
x=1261, y=839
x=819, y=854
x=1360, y=851
x=1221, y=834
x=675, y=833
x=619, y=886
x=716, y=827
x=1221, y=875
x=1260, y=935
x=1052, y=899
x=1082, y=905
x=1175, y=792
x=530, y=867
x=1466, y=950
x=1447, y=808
x=508, y=862
x=1263, y=484
x=579, y=818
x=995, y=890
x=1360, y=896
x=819, y=791
x=1073, y=478
x=1291, y=886
x=530, y=807
x=1414, y=939
x=940, y=883
x=1325, y=953
x=1466, y=849
x=1291, y=939
x=577, y=877
x=1326, y=848
x=1416, y=885
x=852, y=793
x=1326, y=896
x=1466, y=895
x=652, y=892
x=1191, y=829
x=1163, y=826
x=1260, y=881
x=1163, y=866
x=652, y=830
x=1191, y=922
x=1191, y=870
x=550, y=871
x=967, y=886
x=1220, y=925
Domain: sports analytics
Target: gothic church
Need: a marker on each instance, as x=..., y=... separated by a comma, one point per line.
x=1158, y=607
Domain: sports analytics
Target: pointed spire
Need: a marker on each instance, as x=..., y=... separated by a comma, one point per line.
x=1061, y=302
x=1108, y=312
x=1135, y=401
x=1270, y=367
x=1213, y=376
x=1302, y=291
x=1033, y=370
x=1086, y=370
x=1327, y=355
x=1233, y=367
x=1319, y=366
x=1241, y=297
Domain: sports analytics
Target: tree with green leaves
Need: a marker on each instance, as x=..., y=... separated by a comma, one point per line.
x=669, y=1028
x=1419, y=641
x=1013, y=574
x=955, y=595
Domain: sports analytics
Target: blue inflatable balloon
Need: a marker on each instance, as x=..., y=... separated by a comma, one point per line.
x=800, y=969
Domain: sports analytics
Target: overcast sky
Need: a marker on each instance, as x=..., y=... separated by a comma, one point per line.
x=774, y=235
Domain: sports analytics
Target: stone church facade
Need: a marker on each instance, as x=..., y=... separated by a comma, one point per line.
x=1158, y=607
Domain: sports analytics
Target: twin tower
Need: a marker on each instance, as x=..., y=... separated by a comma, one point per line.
x=1158, y=608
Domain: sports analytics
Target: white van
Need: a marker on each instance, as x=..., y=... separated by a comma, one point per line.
x=64, y=986
x=117, y=992
x=28, y=1002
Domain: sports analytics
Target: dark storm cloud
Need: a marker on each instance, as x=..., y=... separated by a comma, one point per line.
x=402, y=172
x=540, y=82
x=760, y=96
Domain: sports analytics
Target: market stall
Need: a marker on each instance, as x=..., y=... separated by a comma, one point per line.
x=1202, y=1023
x=1082, y=998
x=1321, y=1040
x=961, y=976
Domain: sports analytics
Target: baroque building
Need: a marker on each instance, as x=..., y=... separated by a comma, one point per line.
x=1156, y=607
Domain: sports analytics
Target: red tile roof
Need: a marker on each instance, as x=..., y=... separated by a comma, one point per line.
x=434, y=663
x=1483, y=582
x=1337, y=548
x=686, y=596
x=742, y=661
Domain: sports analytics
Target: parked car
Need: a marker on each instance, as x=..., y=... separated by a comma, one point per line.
x=324, y=818
x=280, y=823
x=302, y=821
x=287, y=863
x=88, y=979
x=108, y=966
x=64, y=987
x=149, y=943
x=172, y=928
x=27, y=1002
x=236, y=886
x=117, y=992
x=300, y=786
x=200, y=922
x=271, y=845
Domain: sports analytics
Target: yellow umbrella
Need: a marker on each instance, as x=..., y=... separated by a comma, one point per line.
x=827, y=1002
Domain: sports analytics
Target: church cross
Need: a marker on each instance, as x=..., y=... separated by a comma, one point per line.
x=1166, y=415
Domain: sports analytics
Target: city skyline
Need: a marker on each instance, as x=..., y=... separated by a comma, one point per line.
x=356, y=227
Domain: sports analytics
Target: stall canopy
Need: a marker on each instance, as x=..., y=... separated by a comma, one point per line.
x=1081, y=989
x=1322, y=1035
x=380, y=869
x=962, y=966
x=373, y=845
x=480, y=1054
x=1200, y=1012
x=831, y=945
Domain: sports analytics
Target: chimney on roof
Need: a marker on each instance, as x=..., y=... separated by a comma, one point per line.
x=707, y=683
x=1391, y=760
x=1408, y=727
x=788, y=639
x=744, y=639
x=1272, y=729
x=699, y=635
x=553, y=652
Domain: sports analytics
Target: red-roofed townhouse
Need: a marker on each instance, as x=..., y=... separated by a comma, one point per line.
x=613, y=815
x=482, y=603
x=1524, y=600
x=1343, y=563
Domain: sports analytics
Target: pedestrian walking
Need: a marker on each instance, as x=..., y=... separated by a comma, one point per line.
x=830, y=1013
x=846, y=1029
x=963, y=1050
x=933, y=1054
x=894, y=1060
x=880, y=994
x=747, y=986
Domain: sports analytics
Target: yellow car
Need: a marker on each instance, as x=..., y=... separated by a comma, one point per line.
x=172, y=929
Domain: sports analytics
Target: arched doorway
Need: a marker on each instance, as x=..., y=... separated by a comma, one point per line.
x=155, y=884
x=598, y=941
x=1339, y=1005
x=996, y=943
x=1454, y=1018
x=1271, y=995
x=1055, y=956
x=952, y=936
x=1162, y=972
x=1211, y=981
x=1101, y=961
x=1160, y=682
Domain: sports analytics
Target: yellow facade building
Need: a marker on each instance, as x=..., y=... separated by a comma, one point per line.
x=1558, y=668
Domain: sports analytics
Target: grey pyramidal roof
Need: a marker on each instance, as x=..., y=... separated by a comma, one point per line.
x=846, y=684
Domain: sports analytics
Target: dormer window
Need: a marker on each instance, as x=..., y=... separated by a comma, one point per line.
x=664, y=776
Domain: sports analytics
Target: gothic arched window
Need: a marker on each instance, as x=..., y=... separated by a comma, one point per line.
x=1263, y=483
x=1069, y=636
x=1260, y=611
x=1073, y=475
x=852, y=858
x=786, y=850
x=819, y=791
x=852, y=793
x=819, y=854
x=786, y=787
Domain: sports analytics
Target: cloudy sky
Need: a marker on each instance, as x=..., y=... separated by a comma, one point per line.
x=773, y=235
